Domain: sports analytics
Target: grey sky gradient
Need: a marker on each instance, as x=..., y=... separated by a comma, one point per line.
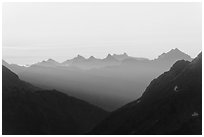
x=36, y=31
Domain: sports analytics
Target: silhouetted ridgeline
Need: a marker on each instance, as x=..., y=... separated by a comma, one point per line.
x=171, y=104
x=108, y=83
x=30, y=110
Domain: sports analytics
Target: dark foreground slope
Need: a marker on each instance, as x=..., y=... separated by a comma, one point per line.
x=29, y=110
x=171, y=104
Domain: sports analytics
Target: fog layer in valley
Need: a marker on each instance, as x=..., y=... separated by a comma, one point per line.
x=108, y=83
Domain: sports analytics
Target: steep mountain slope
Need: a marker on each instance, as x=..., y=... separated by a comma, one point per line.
x=108, y=83
x=14, y=67
x=5, y=63
x=29, y=110
x=171, y=104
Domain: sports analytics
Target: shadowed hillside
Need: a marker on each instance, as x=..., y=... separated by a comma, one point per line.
x=108, y=83
x=30, y=110
x=171, y=104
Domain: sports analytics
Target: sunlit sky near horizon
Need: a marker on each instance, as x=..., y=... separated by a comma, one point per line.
x=33, y=32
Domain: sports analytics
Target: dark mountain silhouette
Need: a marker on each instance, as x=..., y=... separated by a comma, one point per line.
x=30, y=110
x=109, y=84
x=171, y=104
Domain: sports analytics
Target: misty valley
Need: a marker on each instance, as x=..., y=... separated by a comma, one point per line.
x=108, y=83
x=102, y=67
x=118, y=94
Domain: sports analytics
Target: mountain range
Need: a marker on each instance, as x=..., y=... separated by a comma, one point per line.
x=101, y=82
x=110, y=60
x=171, y=104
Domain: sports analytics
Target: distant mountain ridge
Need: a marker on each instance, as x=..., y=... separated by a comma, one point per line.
x=116, y=59
x=47, y=63
x=171, y=104
x=104, y=80
x=174, y=54
x=121, y=56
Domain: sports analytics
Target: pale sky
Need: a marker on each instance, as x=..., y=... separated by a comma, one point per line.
x=34, y=32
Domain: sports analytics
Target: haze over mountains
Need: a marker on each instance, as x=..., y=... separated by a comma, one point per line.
x=108, y=83
x=102, y=68
x=171, y=104
x=27, y=109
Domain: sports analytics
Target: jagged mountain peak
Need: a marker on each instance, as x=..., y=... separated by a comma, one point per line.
x=121, y=56
x=51, y=61
x=80, y=57
x=92, y=57
x=109, y=57
x=176, y=50
x=48, y=62
x=174, y=54
x=171, y=104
